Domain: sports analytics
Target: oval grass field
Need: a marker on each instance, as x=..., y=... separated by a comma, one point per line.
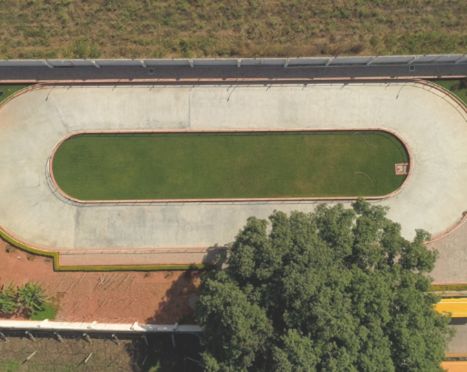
x=228, y=165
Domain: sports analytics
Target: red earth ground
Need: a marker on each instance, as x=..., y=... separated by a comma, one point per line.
x=124, y=297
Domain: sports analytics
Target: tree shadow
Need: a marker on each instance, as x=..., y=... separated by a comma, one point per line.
x=166, y=352
x=175, y=352
x=180, y=299
x=170, y=351
x=215, y=256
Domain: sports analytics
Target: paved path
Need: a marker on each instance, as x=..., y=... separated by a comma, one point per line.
x=434, y=126
x=451, y=265
x=458, y=344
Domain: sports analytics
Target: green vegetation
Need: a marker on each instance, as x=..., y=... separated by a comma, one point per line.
x=28, y=300
x=448, y=287
x=334, y=290
x=48, y=311
x=8, y=300
x=31, y=298
x=184, y=28
x=10, y=365
x=8, y=90
x=457, y=86
x=228, y=165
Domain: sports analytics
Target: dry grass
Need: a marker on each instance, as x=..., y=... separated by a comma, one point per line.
x=449, y=287
x=200, y=28
x=102, y=353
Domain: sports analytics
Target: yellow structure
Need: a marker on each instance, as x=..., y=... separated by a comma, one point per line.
x=455, y=307
x=454, y=366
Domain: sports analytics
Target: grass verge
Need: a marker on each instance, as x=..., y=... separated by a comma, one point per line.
x=456, y=86
x=8, y=90
x=448, y=287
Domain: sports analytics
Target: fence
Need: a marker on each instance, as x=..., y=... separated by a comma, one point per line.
x=225, y=70
x=432, y=59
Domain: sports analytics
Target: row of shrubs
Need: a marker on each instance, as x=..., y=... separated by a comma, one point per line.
x=26, y=300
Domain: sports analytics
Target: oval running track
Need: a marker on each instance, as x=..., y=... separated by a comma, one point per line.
x=429, y=121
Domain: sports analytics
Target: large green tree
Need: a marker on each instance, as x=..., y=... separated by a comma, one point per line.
x=334, y=290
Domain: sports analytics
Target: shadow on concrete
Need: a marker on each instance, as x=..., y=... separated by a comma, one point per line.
x=215, y=256
x=458, y=321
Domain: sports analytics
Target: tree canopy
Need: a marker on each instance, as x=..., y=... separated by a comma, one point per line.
x=336, y=290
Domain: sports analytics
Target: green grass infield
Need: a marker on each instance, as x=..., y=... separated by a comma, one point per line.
x=228, y=165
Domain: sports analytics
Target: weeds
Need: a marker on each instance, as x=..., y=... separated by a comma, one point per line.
x=28, y=300
x=208, y=28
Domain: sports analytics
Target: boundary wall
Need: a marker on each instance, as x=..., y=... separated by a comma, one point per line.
x=199, y=70
x=330, y=61
x=95, y=327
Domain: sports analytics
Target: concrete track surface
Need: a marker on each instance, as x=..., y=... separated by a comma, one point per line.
x=432, y=124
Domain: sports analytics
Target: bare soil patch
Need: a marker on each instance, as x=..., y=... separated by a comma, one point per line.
x=157, y=297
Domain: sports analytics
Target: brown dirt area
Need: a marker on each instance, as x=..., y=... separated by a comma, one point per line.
x=116, y=297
